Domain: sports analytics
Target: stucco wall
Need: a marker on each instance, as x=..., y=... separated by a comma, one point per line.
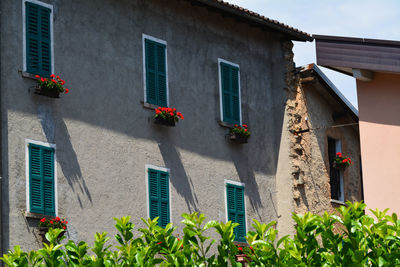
x=104, y=135
x=379, y=108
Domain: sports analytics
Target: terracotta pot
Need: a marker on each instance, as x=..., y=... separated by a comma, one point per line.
x=161, y=121
x=238, y=138
x=40, y=91
x=42, y=234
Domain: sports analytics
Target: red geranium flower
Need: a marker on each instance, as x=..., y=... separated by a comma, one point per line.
x=37, y=76
x=51, y=222
x=43, y=220
x=66, y=90
x=240, y=249
x=52, y=76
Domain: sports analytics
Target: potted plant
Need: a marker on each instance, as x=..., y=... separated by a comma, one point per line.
x=167, y=116
x=46, y=224
x=340, y=162
x=242, y=257
x=239, y=134
x=50, y=87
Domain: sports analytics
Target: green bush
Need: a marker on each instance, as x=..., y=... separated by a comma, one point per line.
x=349, y=238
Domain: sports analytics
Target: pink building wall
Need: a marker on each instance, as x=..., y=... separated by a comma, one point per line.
x=379, y=115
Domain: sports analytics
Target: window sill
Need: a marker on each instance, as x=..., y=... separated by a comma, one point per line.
x=338, y=202
x=27, y=75
x=37, y=215
x=148, y=105
x=241, y=244
x=225, y=124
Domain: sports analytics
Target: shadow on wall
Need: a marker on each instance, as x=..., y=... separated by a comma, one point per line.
x=66, y=155
x=179, y=179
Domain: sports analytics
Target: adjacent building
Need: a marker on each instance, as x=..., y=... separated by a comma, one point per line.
x=376, y=66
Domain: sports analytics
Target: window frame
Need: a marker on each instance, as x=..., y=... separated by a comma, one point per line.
x=24, y=48
x=221, y=108
x=338, y=148
x=163, y=169
x=226, y=182
x=27, y=160
x=154, y=39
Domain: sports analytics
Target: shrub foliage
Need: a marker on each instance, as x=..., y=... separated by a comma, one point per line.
x=348, y=238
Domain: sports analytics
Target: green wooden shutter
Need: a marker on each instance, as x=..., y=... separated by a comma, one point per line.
x=236, y=211
x=156, y=73
x=159, y=196
x=230, y=93
x=38, y=39
x=41, y=180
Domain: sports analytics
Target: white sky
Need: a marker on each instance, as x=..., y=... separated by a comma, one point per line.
x=379, y=19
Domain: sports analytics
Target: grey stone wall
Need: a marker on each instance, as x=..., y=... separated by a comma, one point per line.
x=104, y=135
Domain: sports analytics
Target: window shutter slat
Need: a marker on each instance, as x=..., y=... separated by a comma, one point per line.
x=38, y=39
x=35, y=180
x=226, y=92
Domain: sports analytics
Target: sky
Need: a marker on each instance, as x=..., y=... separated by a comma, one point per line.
x=375, y=19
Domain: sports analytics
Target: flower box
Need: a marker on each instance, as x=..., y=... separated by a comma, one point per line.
x=167, y=116
x=50, y=87
x=239, y=134
x=42, y=91
x=238, y=138
x=165, y=122
x=339, y=166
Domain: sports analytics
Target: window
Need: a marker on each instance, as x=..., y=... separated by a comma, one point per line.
x=41, y=175
x=158, y=184
x=38, y=54
x=229, y=92
x=236, y=208
x=336, y=176
x=155, y=71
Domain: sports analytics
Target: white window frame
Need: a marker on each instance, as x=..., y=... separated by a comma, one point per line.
x=40, y=143
x=163, y=169
x=24, y=65
x=220, y=60
x=151, y=38
x=226, y=200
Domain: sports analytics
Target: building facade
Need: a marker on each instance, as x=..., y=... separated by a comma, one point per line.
x=96, y=153
x=376, y=66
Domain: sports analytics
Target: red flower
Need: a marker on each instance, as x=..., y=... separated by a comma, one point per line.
x=43, y=220
x=66, y=90
x=344, y=161
x=54, y=81
x=174, y=109
x=159, y=243
x=339, y=154
x=244, y=125
x=240, y=249
x=51, y=222
x=158, y=111
x=172, y=114
x=43, y=79
x=65, y=227
x=182, y=117
x=52, y=76
x=37, y=76
x=57, y=219
x=58, y=77
x=251, y=246
x=236, y=125
x=62, y=82
x=239, y=127
x=245, y=130
x=66, y=222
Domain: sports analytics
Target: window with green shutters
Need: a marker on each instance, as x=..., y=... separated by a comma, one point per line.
x=159, y=196
x=230, y=93
x=156, y=73
x=38, y=39
x=236, y=210
x=41, y=180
